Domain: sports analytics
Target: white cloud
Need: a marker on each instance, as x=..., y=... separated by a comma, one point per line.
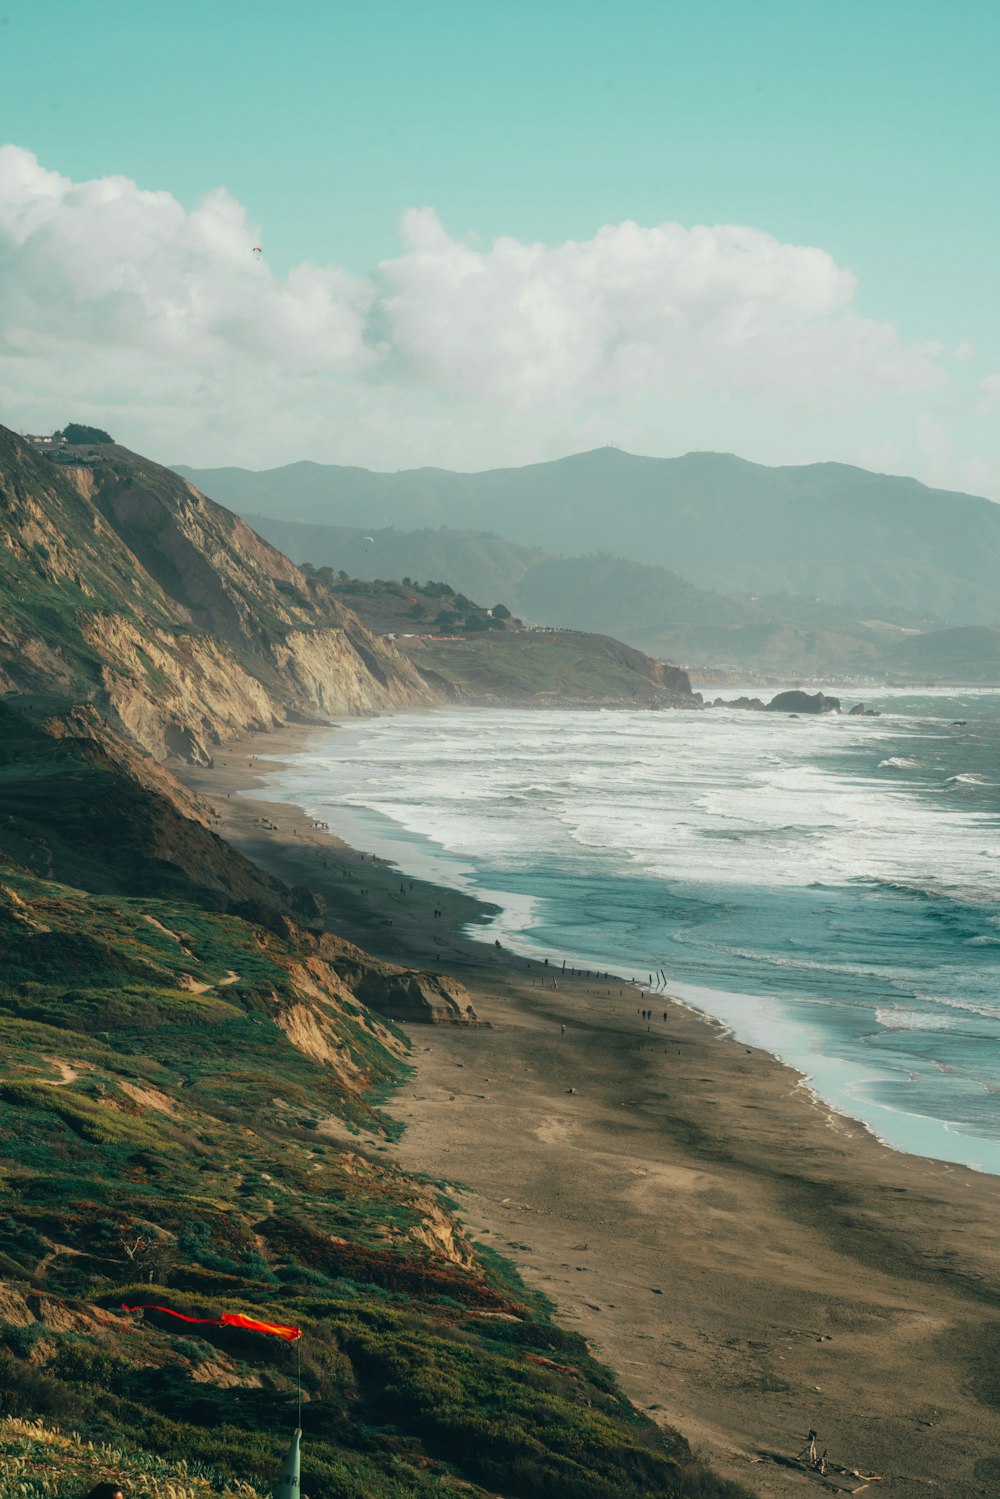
x=119, y=304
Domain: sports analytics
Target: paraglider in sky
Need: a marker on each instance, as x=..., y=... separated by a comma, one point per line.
x=257, y=252
x=369, y=538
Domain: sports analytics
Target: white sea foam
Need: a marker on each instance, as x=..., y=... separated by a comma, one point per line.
x=721, y=797
x=500, y=804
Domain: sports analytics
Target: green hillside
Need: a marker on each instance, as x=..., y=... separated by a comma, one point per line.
x=191, y=1115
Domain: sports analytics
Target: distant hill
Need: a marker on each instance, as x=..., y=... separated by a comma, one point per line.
x=969, y=654
x=484, y=566
x=655, y=610
x=647, y=606
x=483, y=655
x=541, y=668
x=873, y=542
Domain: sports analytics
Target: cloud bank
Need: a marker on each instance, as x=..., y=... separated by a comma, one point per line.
x=120, y=305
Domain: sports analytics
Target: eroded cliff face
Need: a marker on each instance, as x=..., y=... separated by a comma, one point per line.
x=121, y=584
x=390, y=990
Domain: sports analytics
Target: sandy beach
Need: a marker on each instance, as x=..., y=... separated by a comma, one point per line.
x=750, y=1264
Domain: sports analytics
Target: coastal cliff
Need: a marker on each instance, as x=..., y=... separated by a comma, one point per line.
x=122, y=585
x=194, y=1069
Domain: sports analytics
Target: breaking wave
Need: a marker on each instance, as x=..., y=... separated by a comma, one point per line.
x=842, y=917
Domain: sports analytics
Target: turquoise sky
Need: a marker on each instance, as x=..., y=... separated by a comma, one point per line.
x=869, y=128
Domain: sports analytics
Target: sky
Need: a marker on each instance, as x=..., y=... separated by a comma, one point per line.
x=494, y=235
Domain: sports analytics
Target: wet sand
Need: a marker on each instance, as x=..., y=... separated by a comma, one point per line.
x=751, y=1264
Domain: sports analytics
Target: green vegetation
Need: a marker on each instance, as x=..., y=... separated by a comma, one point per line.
x=163, y=1139
x=80, y=806
x=647, y=606
x=79, y=435
x=387, y=607
x=192, y=1115
x=38, y=1461
x=487, y=656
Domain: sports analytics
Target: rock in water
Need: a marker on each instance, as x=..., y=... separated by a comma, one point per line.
x=798, y=701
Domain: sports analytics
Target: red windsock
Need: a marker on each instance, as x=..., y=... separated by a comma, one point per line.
x=228, y=1319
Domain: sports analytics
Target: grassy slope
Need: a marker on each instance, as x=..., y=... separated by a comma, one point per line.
x=38, y=1461
x=181, y=1095
x=79, y=805
x=123, y=1108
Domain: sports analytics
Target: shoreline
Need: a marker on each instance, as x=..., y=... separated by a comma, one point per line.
x=749, y=1260
x=756, y=1019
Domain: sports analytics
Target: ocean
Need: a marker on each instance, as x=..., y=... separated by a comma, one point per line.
x=826, y=887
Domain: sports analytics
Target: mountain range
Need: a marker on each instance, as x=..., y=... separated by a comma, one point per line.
x=874, y=543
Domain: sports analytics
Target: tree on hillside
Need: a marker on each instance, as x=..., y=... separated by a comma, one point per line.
x=76, y=433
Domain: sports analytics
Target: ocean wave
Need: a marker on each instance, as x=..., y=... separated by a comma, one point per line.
x=935, y=890
x=967, y=778
x=964, y=1005
x=899, y=762
x=895, y=1019
x=812, y=965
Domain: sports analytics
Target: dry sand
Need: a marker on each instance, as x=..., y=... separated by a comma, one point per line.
x=751, y=1264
